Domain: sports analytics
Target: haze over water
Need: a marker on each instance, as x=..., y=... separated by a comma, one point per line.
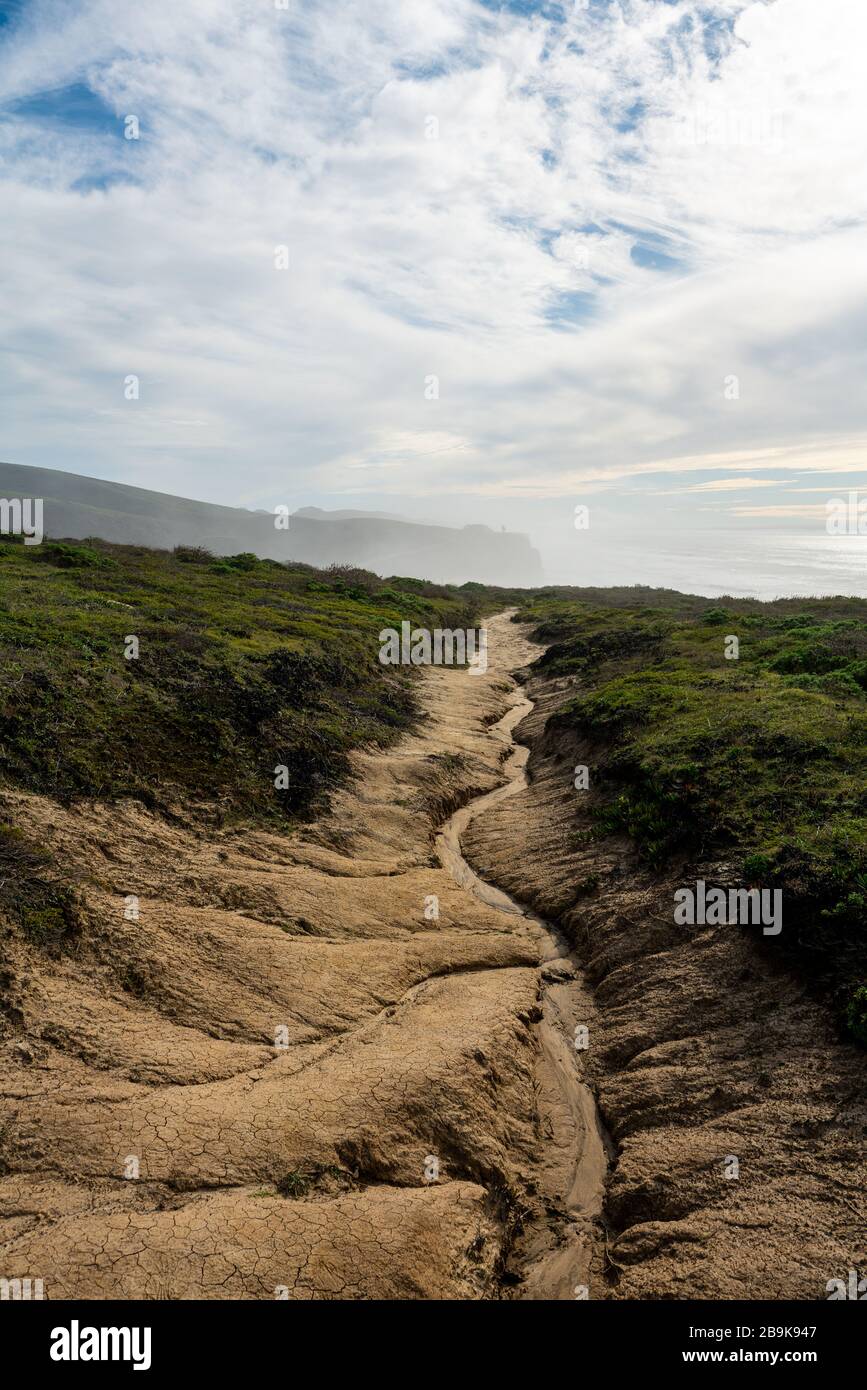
x=787, y=565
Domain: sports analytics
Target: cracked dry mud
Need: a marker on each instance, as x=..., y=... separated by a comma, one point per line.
x=703, y=1048
x=300, y=1171
x=298, y=1168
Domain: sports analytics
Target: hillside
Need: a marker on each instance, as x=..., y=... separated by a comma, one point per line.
x=242, y=664
x=80, y=507
x=760, y=759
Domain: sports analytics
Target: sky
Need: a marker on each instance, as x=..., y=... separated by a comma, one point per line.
x=462, y=260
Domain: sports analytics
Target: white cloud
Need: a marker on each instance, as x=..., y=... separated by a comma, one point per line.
x=735, y=484
x=499, y=256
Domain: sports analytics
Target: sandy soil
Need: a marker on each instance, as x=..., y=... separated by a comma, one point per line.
x=407, y=1045
x=290, y=1078
x=704, y=1050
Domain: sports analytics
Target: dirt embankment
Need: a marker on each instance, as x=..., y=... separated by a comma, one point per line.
x=737, y=1111
x=302, y=1066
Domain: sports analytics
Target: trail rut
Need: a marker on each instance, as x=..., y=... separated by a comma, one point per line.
x=239, y=1091
x=555, y=1254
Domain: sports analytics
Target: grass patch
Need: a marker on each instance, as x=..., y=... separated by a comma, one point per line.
x=244, y=666
x=49, y=911
x=762, y=759
x=299, y=1182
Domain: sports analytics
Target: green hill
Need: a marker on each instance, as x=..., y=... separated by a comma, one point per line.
x=243, y=665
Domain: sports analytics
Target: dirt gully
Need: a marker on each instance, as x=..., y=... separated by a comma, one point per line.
x=328, y=1064
x=736, y=1110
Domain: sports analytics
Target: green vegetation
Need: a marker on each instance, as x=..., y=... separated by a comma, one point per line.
x=244, y=665
x=856, y=1014
x=762, y=759
x=298, y=1182
x=34, y=893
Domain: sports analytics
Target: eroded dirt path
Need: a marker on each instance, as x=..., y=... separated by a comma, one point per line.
x=554, y=1253
x=738, y=1110
x=243, y=1091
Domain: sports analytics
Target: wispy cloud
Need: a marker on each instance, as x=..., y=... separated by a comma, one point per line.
x=786, y=510
x=735, y=484
x=626, y=239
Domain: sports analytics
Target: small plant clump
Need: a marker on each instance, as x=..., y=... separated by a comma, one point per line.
x=50, y=912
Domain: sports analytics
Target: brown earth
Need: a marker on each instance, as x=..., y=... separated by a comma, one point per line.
x=704, y=1049
x=326, y=1091
x=149, y=1048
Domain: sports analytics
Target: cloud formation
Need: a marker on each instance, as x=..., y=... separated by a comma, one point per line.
x=529, y=247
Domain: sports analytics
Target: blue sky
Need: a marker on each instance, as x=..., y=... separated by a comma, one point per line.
x=625, y=236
